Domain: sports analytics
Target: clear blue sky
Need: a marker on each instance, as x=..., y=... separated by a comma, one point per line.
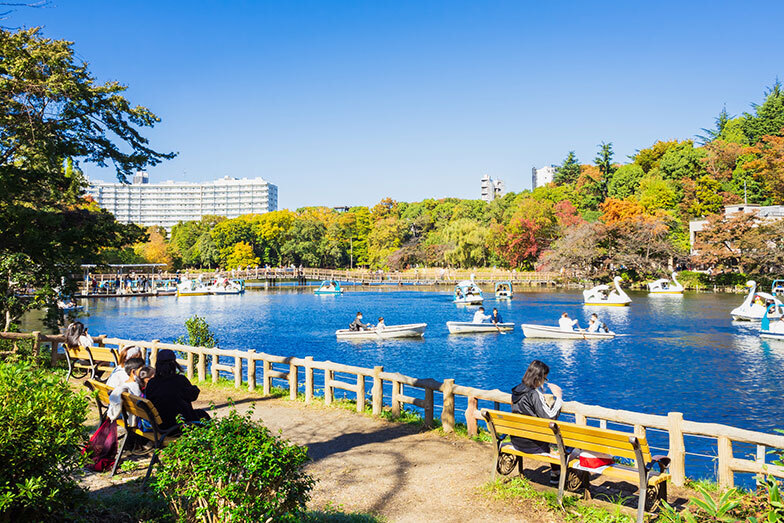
x=348, y=102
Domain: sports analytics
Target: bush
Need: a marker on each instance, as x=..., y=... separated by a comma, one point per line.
x=233, y=469
x=41, y=434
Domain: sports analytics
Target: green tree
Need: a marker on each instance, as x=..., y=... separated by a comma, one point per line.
x=241, y=255
x=768, y=117
x=707, y=197
x=649, y=158
x=720, y=123
x=656, y=193
x=468, y=243
x=53, y=114
x=568, y=171
x=625, y=181
x=603, y=161
x=682, y=161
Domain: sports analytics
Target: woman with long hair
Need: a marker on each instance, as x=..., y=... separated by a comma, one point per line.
x=76, y=336
x=172, y=393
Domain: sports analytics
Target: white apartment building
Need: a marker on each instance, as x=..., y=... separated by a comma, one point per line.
x=542, y=176
x=168, y=203
x=492, y=189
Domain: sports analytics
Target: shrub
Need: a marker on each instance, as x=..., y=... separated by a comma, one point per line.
x=41, y=434
x=233, y=469
x=198, y=334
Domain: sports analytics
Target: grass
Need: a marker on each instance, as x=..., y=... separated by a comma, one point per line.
x=332, y=514
x=573, y=510
x=707, y=484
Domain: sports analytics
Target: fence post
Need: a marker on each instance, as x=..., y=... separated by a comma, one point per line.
x=251, y=370
x=677, y=448
x=266, y=378
x=53, y=355
x=309, y=379
x=448, y=411
x=328, y=392
x=378, y=391
x=293, y=381
x=214, y=368
x=36, y=349
x=360, y=393
x=237, y=369
x=201, y=366
x=726, y=477
x=429, y=405
x=579, y=419
x=470, y=415
x=189, y=366
x=154, y=353
x=395, y=401
x=639, y=431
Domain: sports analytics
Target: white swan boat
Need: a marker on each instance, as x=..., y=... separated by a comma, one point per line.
x=329, y=287
x=468, y=292
x=547, y=331
x=772, y=330
x=503, y=289
x=604, y=295
x=665, y=286
x=467, y=327
x=756, y=304
x=189, y=287
x=226, y=286
x=412, y=330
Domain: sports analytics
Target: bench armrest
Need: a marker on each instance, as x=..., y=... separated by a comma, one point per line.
x=663, y=463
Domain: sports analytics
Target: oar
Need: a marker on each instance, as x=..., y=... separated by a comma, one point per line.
x=499, y=329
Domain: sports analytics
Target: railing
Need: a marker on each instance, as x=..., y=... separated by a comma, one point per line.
x=243, y=366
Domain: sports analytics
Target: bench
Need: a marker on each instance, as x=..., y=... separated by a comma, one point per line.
x=652, y=484
x=95, y=361
x=143, y=409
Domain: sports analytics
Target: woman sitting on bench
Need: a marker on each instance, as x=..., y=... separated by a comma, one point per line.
x=528, y=399
x=172, y=393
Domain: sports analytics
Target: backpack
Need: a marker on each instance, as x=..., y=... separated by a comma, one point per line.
x=102, y=447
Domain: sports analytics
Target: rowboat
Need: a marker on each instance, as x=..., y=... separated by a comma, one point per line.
x=546, y=331
x=602, y=295
x=328, y=287
x=503, y=289
x=467, y=327
x=468, y=292
x=412, y=330
x=756, y=304
x=665, y=286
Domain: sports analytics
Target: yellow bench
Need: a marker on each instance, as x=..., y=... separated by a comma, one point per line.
x=95, y=361
x=652, y=483
x=143, y=409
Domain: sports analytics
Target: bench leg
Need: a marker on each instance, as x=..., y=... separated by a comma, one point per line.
x=153, y=461
x=641, y=503
x=119, y=453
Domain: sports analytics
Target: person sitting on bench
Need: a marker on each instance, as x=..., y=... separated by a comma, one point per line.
x=172, y=393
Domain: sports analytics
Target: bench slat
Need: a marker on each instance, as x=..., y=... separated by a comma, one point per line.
x=131, y=406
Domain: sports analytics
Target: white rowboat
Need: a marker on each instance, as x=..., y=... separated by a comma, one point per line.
x=412, y=330
x=467, y=327
x=546, y=331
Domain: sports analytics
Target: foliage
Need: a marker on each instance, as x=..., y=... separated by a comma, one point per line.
x=40, y=436
x=198, y=333
x=625, y=181
x=233, y=469
x=768, y=117
x=241, y=255
x=568, y=171
x=739, y=242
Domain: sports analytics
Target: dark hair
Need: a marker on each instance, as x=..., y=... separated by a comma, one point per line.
x=167, y=368
x=536, y=374
x=359, y=313
x=132, y=365
x=144, y=373
x=123, y=356
x=72, y=334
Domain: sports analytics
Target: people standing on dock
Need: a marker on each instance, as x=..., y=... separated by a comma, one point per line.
x=496, y=318
x=566, y=323
x=480, y=316
x=357, y=324
x=528, y=399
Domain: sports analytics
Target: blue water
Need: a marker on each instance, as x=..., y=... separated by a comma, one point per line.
x=683, y=353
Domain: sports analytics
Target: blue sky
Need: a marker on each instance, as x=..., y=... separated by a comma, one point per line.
x=344, y=103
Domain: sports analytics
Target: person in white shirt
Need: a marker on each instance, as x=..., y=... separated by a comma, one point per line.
x=76, y=336
x=119, y=375
x=380, y=325
x=137, y=380
x=566, y=323
x=480, y=316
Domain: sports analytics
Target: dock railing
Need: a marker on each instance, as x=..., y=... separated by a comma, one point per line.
x=368, y=386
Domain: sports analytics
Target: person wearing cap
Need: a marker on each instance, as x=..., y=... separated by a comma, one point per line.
x=172, y=393
x=120, y=374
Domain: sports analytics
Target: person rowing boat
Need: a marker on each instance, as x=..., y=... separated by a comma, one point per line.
x=357, y=324
x=566, y=323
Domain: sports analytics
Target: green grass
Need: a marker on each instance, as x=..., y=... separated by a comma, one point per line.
x=332, y=514
x=707, y=484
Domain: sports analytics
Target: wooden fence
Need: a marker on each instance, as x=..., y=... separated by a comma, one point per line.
x=431, y=395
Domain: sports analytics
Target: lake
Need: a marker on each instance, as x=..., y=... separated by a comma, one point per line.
x=681, y=353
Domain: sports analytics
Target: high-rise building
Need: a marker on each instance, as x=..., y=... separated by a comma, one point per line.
x=492, y=189
x=168, y=203
x=542, y=176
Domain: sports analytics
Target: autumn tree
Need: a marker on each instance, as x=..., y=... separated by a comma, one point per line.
x=735, y=242
x=241, y=256
x=768, y=166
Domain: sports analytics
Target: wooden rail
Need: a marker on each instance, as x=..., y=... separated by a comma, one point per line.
x=367, y=385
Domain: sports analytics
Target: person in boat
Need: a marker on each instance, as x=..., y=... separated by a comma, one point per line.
x=480, y=316
x=381, y=325
x=565, y=323
x=357, y=324
x=496, y=318
x=594, y=325
x=459, y=294
x=528, y=399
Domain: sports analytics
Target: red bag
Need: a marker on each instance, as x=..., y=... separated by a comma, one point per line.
x=102, y=447
x=594, y=460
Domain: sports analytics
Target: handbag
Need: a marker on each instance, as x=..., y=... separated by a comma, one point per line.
x=102, y=447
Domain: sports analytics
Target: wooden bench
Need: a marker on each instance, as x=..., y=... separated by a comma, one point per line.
x=143, y=409
x=95, y=361
x=652, y=484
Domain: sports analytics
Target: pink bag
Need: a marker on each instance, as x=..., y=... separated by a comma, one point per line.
x=102, y=447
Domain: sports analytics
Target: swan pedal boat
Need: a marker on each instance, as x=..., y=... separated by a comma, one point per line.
x=665, y=286
x=468, y=292
x=468, y=327
x=504, y=290
x=547, y=331
x=230, y=287
x=192, y=288
x=752, y=310
x=602, y=295
x=412, y=330
x=329, y=287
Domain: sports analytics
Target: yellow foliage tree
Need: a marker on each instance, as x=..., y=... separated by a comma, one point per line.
x=242, y=255
x=155, y=249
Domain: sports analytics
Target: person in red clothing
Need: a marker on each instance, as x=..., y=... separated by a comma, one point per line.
x=172, y=393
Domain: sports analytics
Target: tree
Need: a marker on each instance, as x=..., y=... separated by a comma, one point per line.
x=656, y=193
x=720, y=123
x=648, y=159
x=155, y=249
x=707, y=197
x=682, y=161
x=568, y=171
x=241, y=255
x=625, y=181
x=768, y=118
x=738, y=241
x=468, y=243
x=578, y=250
x=54, y=114
x=769, y=166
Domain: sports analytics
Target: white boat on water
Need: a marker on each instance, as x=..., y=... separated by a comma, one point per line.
x=665, y=286
x=412, y=330
x=607, y=296
x=468, y=292
x=227, y=286
x=756, y=304
x=772, y=330
x=504, y=290
x=188, y=287
x=468, y=327
x=329, y=287
x=547, y=331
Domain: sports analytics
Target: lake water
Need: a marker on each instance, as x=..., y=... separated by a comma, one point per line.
x=682, y=353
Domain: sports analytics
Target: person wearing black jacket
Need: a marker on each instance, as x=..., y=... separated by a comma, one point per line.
x=172, y=393
x=528, y=399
